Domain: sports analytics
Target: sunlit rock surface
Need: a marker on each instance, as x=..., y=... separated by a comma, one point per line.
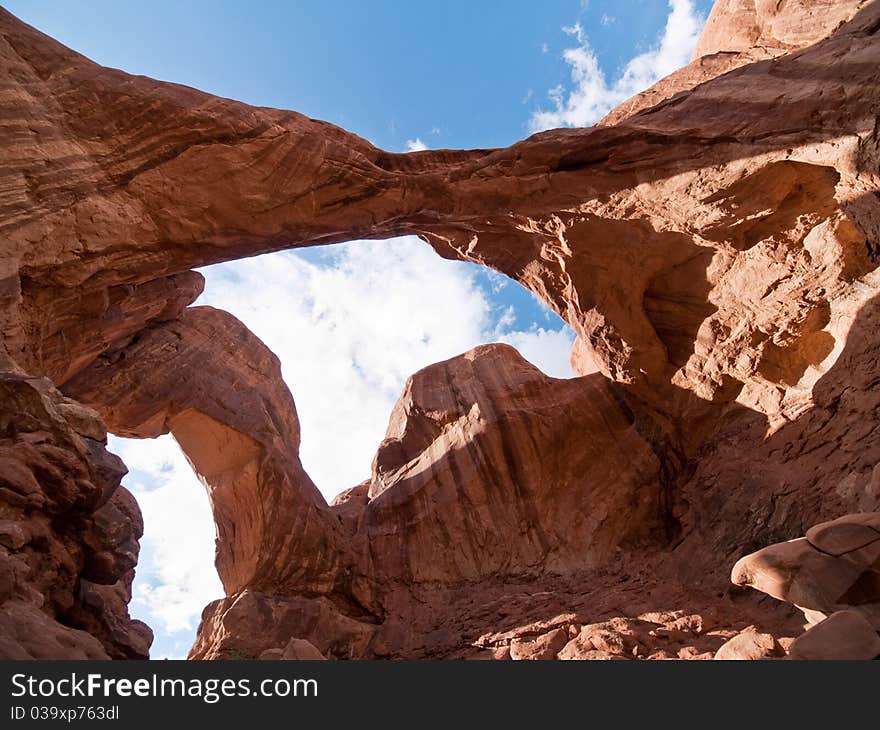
x=714, y=243
x=833, y=575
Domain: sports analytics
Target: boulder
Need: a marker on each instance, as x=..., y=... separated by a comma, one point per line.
x=846, y=575
x=748, y=645
x=546, y=646
x=843, y=635
x=300, y=649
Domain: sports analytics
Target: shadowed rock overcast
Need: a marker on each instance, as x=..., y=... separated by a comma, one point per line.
x=711, y=243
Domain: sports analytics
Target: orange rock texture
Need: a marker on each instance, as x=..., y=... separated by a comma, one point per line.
x=714, y=243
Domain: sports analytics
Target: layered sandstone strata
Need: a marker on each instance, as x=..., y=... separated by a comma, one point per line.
x=714, y=243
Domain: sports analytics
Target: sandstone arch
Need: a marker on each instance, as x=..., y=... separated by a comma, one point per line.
x=712, y=242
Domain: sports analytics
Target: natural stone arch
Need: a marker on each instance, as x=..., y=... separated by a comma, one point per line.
x=210, y=382
x=173, y=187
x=106, y=214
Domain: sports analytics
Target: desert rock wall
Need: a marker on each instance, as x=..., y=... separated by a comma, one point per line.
x=714, y=243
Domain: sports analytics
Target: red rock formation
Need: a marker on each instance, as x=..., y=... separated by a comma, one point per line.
x=714, y=242
x=205, y=378
x=833, y=575
x=836, y=567
x=738, y=26
x=68, y=531
x=157, y=179
x=478, y=475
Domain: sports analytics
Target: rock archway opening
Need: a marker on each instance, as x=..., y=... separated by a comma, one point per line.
x=175, y=576
x=349, y=323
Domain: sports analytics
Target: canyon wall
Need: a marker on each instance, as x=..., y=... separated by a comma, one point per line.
x=714, y=242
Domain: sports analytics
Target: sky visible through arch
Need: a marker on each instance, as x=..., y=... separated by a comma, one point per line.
x=350, y=322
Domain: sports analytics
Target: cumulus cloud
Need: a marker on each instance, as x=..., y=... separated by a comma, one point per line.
x=546, y=348
x=349, y=323
x=591, y=96
x=175, y=575
x=415, y=145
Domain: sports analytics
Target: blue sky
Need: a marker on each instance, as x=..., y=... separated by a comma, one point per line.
x=351, y=322
x=389, y=71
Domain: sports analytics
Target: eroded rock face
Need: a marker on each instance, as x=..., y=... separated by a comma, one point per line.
x=158, y=178
x=68, y=531
x=471, y=485
x=205, y=378
x=833, y=576
x=478, y=475
x=740, y=25
x=836, y=567
x=714, y=242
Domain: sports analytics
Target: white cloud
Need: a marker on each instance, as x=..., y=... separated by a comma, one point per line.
x=349, y=323
x=352, y=326
x=548, y=349
x=415, y=145
x=592, y=96
x=175, y=576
